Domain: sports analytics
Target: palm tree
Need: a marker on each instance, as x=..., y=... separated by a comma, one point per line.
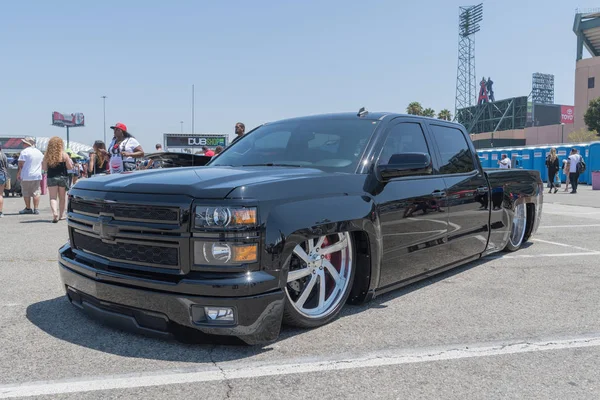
x=429, y=112
x=445, y=115
x=414, y=108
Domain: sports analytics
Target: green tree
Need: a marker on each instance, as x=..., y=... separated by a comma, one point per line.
x=592, y=115
x=582, y=135
x=414, y=108
x=445, y=115
x=429, y=112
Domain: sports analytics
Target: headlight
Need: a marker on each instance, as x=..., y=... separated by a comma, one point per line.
x=225, y=217
x=220, y=253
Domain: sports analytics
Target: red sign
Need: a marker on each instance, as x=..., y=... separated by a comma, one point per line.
x=567, y=114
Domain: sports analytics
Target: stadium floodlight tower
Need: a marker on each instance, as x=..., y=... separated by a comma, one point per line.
x=466, y=81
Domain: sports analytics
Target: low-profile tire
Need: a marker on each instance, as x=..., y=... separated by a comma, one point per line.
x=518, y=228
x=319, y=280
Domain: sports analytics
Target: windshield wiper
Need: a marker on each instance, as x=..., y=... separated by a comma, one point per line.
x=272, y=165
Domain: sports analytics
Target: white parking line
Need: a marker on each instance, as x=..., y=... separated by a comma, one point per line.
x=239, y=370
x=563, y=245
x=595, y=253
x=571, y=214
x=568, y=226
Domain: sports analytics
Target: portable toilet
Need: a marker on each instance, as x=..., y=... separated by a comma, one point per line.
x=539, y=162
x=584, y=150
x=527, y=158
x=484, y=158
x=593, y=164
x=516, y=159
x=562, y=152
x=494, y=157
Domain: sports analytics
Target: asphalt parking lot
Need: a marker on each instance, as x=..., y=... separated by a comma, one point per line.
x=519, y=325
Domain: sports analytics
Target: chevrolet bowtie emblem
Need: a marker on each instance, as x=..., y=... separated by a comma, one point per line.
x=103, y=228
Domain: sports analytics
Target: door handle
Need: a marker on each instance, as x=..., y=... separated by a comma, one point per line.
x=438, y=193
x=482, y=189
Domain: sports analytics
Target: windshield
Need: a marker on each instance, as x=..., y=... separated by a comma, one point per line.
x=332, y=145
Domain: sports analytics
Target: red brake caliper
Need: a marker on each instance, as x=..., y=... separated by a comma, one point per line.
x=329, y=282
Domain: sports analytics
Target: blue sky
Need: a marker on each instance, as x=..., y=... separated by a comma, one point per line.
x=258, y=61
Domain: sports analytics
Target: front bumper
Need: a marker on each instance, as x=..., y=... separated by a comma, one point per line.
x=141, y=306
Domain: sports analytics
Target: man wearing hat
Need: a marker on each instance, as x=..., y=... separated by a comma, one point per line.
x=30, y=175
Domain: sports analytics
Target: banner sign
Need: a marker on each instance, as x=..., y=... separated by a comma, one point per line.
x=561, y=153
x=567, y=114
x=70, y=120
x=537, y=154
x=494, y=156
x=11, y=143
x=193, y=140
x=525, y=156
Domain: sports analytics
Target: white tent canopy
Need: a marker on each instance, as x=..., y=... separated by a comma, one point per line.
x=76, y=147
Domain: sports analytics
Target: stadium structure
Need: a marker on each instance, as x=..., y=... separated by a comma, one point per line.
x=535, y=118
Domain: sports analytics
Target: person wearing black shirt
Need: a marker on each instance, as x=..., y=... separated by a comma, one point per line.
x=240, y=128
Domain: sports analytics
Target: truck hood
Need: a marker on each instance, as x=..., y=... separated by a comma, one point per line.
x=200, y=182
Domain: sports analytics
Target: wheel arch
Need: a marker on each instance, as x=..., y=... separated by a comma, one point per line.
x=289, y=224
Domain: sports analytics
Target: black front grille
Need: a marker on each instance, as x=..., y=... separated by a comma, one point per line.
x=141, y=212
x=128, y=252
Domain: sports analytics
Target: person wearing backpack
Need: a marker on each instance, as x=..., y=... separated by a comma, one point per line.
x=552, y=165
x=576, y=167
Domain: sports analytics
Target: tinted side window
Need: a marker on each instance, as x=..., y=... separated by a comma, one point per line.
x=403, y=138
x=456, y=155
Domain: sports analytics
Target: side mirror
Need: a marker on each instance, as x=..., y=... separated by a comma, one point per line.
x=405, y=164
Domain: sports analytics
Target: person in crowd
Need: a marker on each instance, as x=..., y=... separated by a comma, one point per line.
x=30, y=175
x=74, y=171
x=574, y=159
x=98, y=163
x=553, y=168
x=3, y=177
x=207, y=152
x=15, y=160
x=505, y=162
x=123, y=150
x=56, y=164
x=566, y=168
x=240, y=128
x=218, y=150
x=159, y=148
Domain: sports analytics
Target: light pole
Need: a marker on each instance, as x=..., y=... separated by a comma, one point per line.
x=193, y=109
x=562, y=135
x=181, y=122
x=104, y=112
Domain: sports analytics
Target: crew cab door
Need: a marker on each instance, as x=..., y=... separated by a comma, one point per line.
x=467, y=189
x=412, y=210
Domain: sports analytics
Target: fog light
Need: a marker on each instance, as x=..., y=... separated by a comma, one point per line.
x=219, y=314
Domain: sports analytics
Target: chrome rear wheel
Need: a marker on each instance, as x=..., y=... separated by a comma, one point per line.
x=319, y=279
x=519, y=225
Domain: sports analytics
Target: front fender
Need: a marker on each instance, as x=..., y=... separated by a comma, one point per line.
x=291, y=223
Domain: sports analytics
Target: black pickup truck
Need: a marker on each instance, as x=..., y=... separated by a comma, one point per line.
x=290, y=223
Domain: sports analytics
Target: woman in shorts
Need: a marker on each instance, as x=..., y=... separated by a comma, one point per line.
x=56, y=164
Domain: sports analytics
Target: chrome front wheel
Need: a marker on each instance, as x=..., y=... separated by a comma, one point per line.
x=319, y=280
